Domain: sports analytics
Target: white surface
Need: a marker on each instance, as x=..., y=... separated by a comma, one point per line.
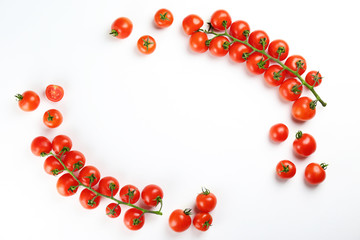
x=178, y=119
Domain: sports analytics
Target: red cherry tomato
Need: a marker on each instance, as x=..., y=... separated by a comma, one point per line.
x=146, y=44
x=313, y=78
x=129, y=194
x=61, y=143
x=285, y=169
x=279, y=132
x=240, y=30
x=40, y=146
x=219, y=46
x=180, y=220
x=315, y=173
x=303, y=109
x=259, y=39
x=121, y=28
x=28, y=101
x=239, y=52
x=279, y=49
x=52, y=166
x=89, y=174
x=113, y=210
x=134, y=219
x=206, y=201
x=296, y=63
x=74, y=160
x=218, y=18
x=290, y=89
x=67, y=185
x=52, y=118
x=109, y=186
x=202, y=221
x=257, y=63
x=88, y=199
x=152, y=195
x=198, y=42
x=274, y=75
x=304, y=144
x=163, y=18
x=192, y=23
x=54, y=92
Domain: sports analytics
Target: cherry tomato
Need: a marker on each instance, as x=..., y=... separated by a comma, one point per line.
x=134, y=219
x=257, y=63
x=28, y=101
x=152, y=195
x=67, y=185
x=52, y=166
x=89, y=175
x=198, y=42
x=219, y=46
x=88, y=199
x=163, y=18
x=290, y=89
x=303, y=109
x=180, y=220
x=206, y=201
x=129, y=194
x=279, y=132
x=74, y=160
x=192, y=23
x=259, y=39
x=304, y=144
x=40, y=146
x=296, y=63
x=313, y=78
x=278, y=49
x=61, y=143
x=121, y=28
x=239, y=52
x=109, y=186
x=218, y=18
x=274, y=75
x=240, y=30
x=52, y=118
x=113, y=210
x=54, y=92
x=285, y=169
x=202, y=221
x=315, y=173
x=146, y=44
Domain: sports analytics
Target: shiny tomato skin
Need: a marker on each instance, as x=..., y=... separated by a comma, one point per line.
x=146, y=44
x=129, y=194
x=253, y=61
x=152, y=195
x=132, y=219
x=54, y=92
x=64, y=183
x=61, y=142
x=291, y=63
x=313, y=78
x=40, y=145
x=87, y=200
x=52, y=118
x=179, y=220
x=255, y=38
x=218, y=46
x=192, y=23
x=217, y=19
x=279, y=132
x=163, y=18
x=52, y=166
x=202, y=221
x=304, y=144
x=275, y=45
x=87, y=173
x=290, y=89
x=274, y=75
x=237, y=51
x=121, y=28
x=74, y=160
x=237, y=29
x=109, y=186
x=113, y=210
x=198, y=42
x=28, y=101
x=206, y=201
x=285, y=169
x=301, y=109
x=315, y=173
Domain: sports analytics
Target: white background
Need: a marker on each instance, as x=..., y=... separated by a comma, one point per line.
x=178, y=119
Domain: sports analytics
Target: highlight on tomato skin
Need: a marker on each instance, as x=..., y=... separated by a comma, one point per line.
x=192, y=23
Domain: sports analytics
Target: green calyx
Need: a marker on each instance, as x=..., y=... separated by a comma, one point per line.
x=147, y=43
x=298, y=134
x=187, y=211
x=280, y=51
x=78, y=165
x=19, y=97
x=205, y=191
x=50, y=118
x=91, y=178
x=300, y=64
x=163, y=17
x=56, y=171
x=114, y=33
x=261, y=64
x=285, y=168
x=324, y=166
x=296, y=89
x=277, y=75
x=313, y=104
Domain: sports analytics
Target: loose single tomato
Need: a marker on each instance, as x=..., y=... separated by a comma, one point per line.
x=274, y=75
x=54, y=92
x=52, y=166
x=285, y=169
x=290, y=89
x=146, y=44
x=89, y=176
x=202, y=221
x=88, y=199
x=198, y=42
x=163, y=18
x=304, y=144
x=67, y=185
x=206, y=201
x=259, y=39
x=313, y=78
x=61, y=143
x=239, y=52
x=219, y=18
x=192, y=23
x=129, y=194
x=109, y=186
x=219, y=46
x=113, y=210
x=315, y=173
x=278, y=49
x=121, y=28
x=28, y=101
x=152, y=195
x=257, y=63
x=40, y=146
x=303, y=109
x=134, y=219
x=52, y=118
x=240, y=30
x=74, y=160
x=279, y=132
x=296, y=63
x=180, y=220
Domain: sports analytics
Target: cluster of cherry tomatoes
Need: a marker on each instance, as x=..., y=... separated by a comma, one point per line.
x=180, y=220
